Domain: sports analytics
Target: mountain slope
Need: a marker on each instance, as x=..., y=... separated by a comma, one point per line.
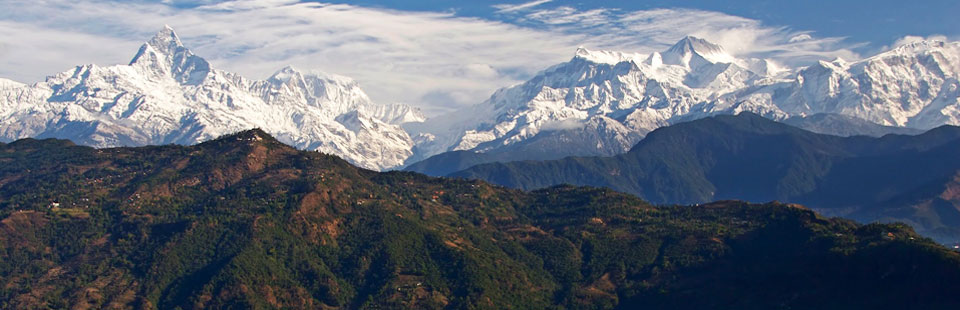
x=752, y=158
x=247, y=222
x=600, y=135
x=449, y=162
x=842, y=125
x=169, y=95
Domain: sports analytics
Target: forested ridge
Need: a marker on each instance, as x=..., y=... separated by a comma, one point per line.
x=247, y=222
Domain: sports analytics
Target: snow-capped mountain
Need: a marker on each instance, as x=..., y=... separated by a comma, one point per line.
x=911, y=86
x=631, y=93
x=598, y=103
x=169, y=95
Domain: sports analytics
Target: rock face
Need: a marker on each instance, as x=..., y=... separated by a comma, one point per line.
x=912, y=86
x=169, y=95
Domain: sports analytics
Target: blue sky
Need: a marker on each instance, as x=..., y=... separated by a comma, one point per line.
x=440, y=55
x=875, y=22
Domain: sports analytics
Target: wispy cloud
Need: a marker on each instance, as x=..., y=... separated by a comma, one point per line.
x=506, y=8
x=397, y=56
x=656, y=29
x=438, y=61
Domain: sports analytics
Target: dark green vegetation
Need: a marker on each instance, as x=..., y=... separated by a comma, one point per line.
x=914, y=179
x=449, y=162
x=246, y=222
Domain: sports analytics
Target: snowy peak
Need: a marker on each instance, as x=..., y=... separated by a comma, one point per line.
x=693, y=52
x=395, y=113
x=690, y=52
x=166, y=41
x=938, y=57
x=605, y=57
x=334, y=93
x=291, y=76
x=691, y=44
x=163, y=46
x=285, y=75
x=165, y=55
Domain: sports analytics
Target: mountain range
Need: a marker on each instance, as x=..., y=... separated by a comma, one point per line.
x=623, y=96
x=245, y=221
x=903, y=178
x=166, y=94
x=600, y=103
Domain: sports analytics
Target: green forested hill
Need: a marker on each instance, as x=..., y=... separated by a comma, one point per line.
x=246, y=222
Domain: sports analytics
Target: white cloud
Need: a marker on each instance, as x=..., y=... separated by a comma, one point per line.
x=800, y=38
x=506, y=8
x=396, y=56
x=913, y=39
x=28, y=52
x=656, y=29
x=479, y=71
x=566, y=15
x=565, y=124
x=908, y=39
x=435, y=60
